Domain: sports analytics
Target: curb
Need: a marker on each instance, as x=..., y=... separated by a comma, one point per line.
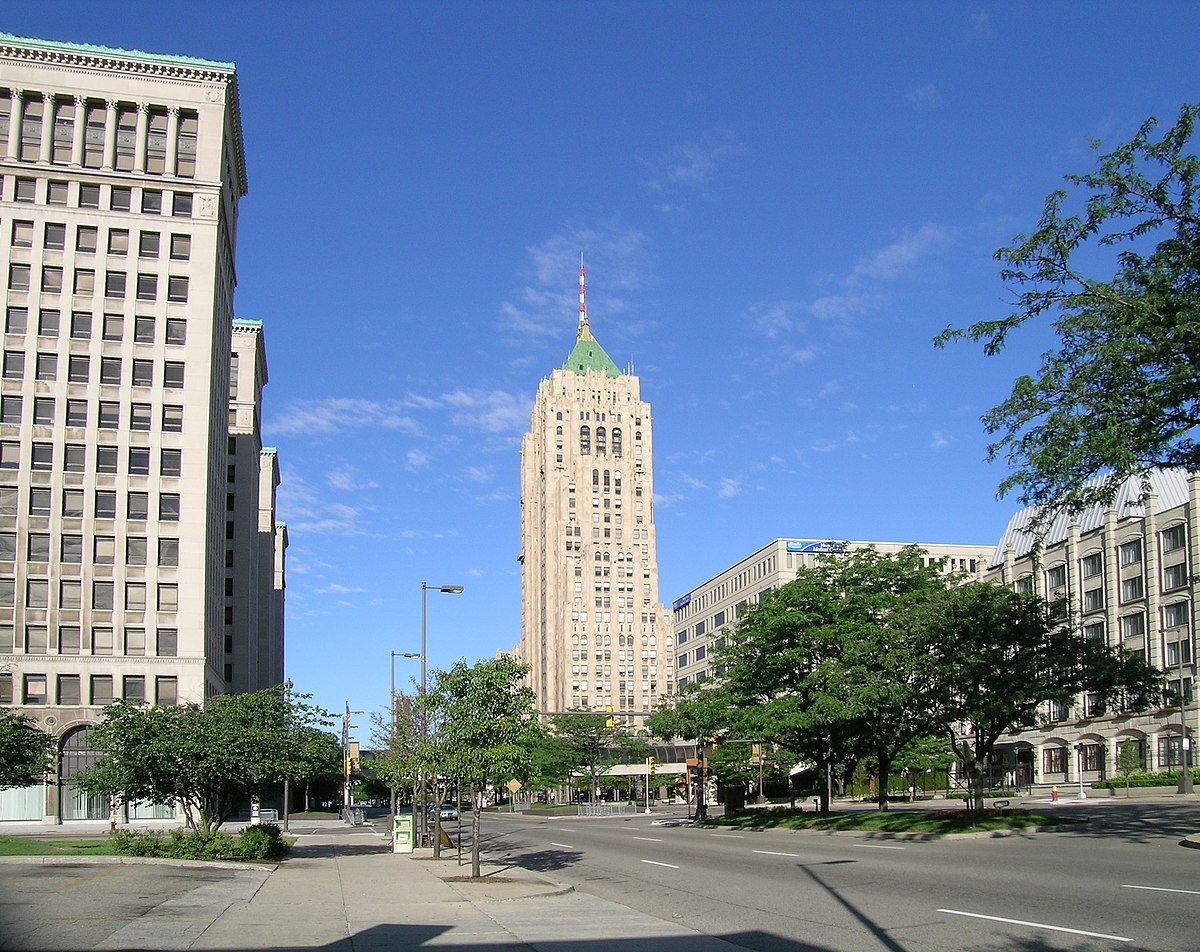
x=135, y=860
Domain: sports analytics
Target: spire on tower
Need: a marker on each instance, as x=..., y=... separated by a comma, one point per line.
x=583, y=318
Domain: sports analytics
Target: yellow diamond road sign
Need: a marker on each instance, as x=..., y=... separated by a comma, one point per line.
x=513, y=786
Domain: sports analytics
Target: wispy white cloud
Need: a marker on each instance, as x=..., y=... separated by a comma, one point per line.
x=416, y=459
x=493, y=411
x=481, y=474
x=694, y=164
x=336, y=589
x=729, y=488
x=939, y=442
x=346, y=478
x=894, y=259
x=546, y=306
x=308, y=513
x=824, y=446
x=923, y=95
x=330, y=415
x=979, y=25
x=774, y=319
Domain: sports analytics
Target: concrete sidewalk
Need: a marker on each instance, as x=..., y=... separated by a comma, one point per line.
x=357, y=898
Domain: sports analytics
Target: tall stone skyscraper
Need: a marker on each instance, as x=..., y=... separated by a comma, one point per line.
x=592, y=628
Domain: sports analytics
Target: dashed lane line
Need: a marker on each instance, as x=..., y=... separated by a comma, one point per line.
x=773, y=853
x=1186, y=892
x=650, y=862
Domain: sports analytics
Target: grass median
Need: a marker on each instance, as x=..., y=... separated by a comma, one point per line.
x=43, y=846
x=940, y=822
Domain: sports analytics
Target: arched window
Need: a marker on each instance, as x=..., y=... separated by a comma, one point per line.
x=607, y=483
x=637, y=436
x=595, y=480
x=617, y=476
x=585, y=440
x=558, y=431
x=601, y=441
x=558, y=415
x=616, y=441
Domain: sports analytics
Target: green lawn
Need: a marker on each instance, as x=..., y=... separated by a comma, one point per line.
x=893, y=821
x=42, y=846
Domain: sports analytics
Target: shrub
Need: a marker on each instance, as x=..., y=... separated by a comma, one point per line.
x=253, y=843
x=1162, y=778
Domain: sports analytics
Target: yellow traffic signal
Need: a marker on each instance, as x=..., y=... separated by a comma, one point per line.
x=650, y=765
x=608, y=715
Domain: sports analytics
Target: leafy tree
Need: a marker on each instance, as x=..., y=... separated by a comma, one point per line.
x=396, y=741
x=834, y=664
x=585, y=743
x=209, y=759
x=999, y=654
x=1121, y=395
x=318, y=760
x=923, y=755
x=25, y=751
x=1128, y=762
x=700, y=713
x=484, y=728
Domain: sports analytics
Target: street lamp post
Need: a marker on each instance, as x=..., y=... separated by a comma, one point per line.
x=449, y=590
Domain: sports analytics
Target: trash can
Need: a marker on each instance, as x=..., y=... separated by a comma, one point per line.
x=402, y=833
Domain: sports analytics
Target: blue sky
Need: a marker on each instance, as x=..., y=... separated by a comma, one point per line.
x=780, y=204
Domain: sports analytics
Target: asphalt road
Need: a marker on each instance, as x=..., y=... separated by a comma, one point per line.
x=1121, y=881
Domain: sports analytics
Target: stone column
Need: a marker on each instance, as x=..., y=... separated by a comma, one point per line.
x=47, y=143
x=80, y=129
x=139, y=149
x=172, y=139
x=16, y=124
x=109, y=162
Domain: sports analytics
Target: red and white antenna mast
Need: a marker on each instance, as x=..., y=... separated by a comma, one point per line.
x=583, y=319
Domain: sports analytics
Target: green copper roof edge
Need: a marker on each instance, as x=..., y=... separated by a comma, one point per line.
x=601, y=361
x=242, y=322
x=167, y=58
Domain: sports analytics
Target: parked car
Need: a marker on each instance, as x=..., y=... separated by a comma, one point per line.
x=448, y=811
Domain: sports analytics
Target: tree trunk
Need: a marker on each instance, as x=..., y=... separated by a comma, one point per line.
x=476, y=810
x=885, y=770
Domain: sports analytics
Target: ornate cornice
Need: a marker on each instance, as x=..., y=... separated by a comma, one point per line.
x=138, y=63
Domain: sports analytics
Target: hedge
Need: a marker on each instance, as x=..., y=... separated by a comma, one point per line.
x=262, y=841
x=1162, y=778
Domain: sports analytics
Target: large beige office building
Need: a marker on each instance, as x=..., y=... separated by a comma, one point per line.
x=592, y=628
x=706, y=616
x=139, y=554
x=1126, y=574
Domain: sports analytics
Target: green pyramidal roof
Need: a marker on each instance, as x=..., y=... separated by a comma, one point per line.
x=588, y=355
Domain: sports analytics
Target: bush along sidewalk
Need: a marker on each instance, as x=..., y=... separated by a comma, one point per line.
x=1161, y=778
x=259, y=842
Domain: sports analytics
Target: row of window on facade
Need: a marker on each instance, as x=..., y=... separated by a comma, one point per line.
x=94, y=134
x=104, y=504
x=88, y=196
x=101, y=688
x=1092, y=755
x=83, y=283
x=70, y=597
x=1172, y=539
x=79, y=369
x=70, y=548
x=118, y=241
x=113, y=326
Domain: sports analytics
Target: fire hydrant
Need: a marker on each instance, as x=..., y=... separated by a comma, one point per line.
x=1054, y=793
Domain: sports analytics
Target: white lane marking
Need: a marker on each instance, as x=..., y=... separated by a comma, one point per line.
x=1037, y=925
x=566, y=846
x=872, y=846
x=728, y=836
x=1186, y=892
x=567, y=829
x=770, y=853
x=648, y=839
x=650, y=862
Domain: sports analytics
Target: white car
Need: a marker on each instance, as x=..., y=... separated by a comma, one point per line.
x=448, y=811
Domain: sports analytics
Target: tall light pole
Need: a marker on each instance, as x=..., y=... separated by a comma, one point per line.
x=449, y=590
x=392, y=702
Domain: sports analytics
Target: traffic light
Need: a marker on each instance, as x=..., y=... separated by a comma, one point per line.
x=608, y=715
x=650, y=765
